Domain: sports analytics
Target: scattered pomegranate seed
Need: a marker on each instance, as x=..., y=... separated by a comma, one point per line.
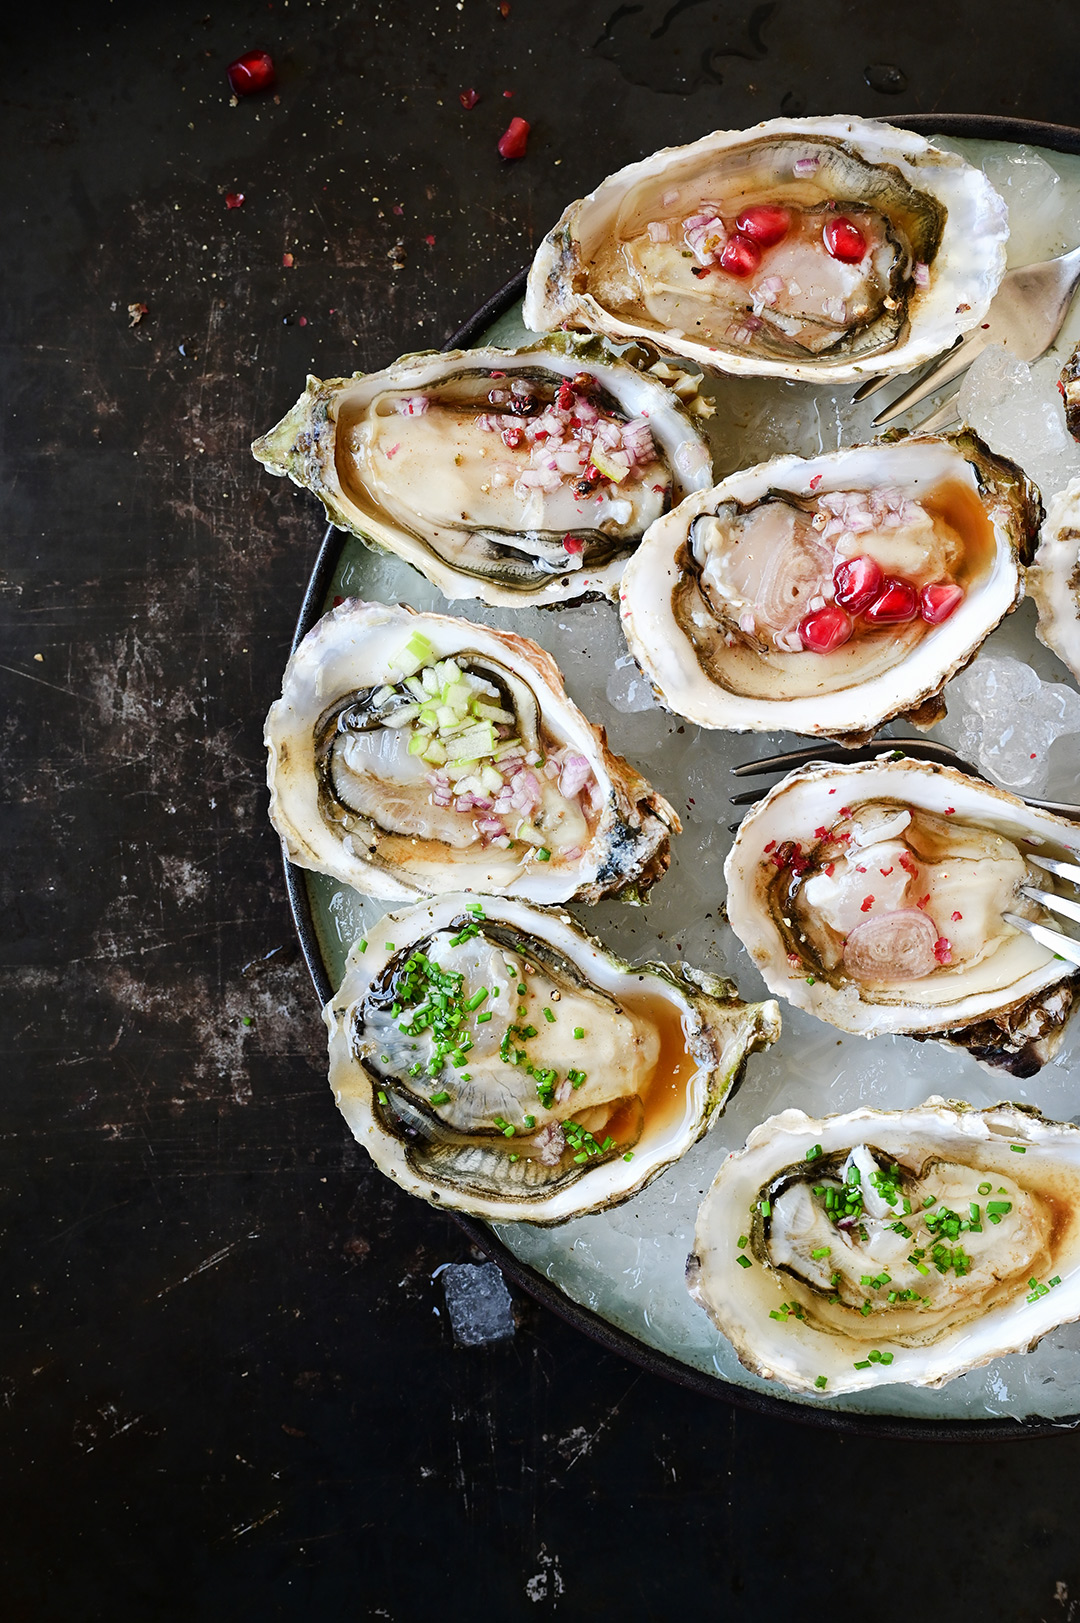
x=771, y=846
x=430, y=241
x=825, y=629
x=957, y=917
x=1033, y=756
x=516, y=138
x=820, y=833
x=468, y=99
x=844, y=241
x=251, y=72
x=937, y=602
x=764, y=224
x=512, y=437
x=288, y=261
x=508, y=95
x=845, y=811
x=949, y=810
x=943, y=950
x=898, y=602
x=816, y=480
x=397, y=209
x=866, y=904
x=504, y=8
x=303, y=321
x=830, y=868
x=234, y=200
x=859, y=868
x=858, y=581
x=740, y=257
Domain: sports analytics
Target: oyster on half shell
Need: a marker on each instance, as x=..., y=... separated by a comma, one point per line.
x=416, y=753
x=899, y=1245
x=517, y=476
x=828, y=595
x=1054, y=578
x=817, y=248
x=493, y=1058
x=876, y=896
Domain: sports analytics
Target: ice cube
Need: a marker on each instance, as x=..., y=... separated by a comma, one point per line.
x=1017, y=410
x=478, y=1303
x=1004, y=718
x=1036, y=201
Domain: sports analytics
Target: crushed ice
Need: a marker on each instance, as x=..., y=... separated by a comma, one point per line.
x=1004, y=719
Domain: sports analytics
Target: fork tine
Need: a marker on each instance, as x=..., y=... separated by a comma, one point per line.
x=872, y=385
x=952, y=363
x=1052, y=902
x=1063, y=945
x=948, y=412
x=922, y=749
x=1064, y=870
x=1060, y=808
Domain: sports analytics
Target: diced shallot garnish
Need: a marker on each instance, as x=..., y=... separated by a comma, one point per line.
x=921, y=273
x=806, y=166
x=412, y=405
x=575, y=774
x=892, y=947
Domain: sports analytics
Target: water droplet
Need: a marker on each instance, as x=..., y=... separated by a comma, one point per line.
x=886, y=78
x=793, y=104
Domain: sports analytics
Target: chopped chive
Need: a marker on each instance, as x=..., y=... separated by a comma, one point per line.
x=863, y=1363
x=984, y=1188
x=549, y=1017
x=363, y=944
x=382, y=1098
x=390, y=947
x=543, y=855
x=522, y=989
x=584, y=1156
x=515, y=1158
x=744, y=1239
x=579, y=1032
x=813, y=1152
x=744, y=1262
x=1018, y=1149
x=822, y=1251
x=439, y=1098
x=482, y=1019
x=629, y=1156
x=1056, y=1280
x=477, y=998
x=821, y=1382
x=765, y=1208
x=474, y=907
x=810, y=980
x=530, y=1122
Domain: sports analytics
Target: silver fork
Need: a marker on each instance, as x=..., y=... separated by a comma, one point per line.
x=1066, y=946
x=1025, y=317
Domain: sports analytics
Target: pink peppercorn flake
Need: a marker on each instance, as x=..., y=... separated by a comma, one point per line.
x=845, y=811
x=515, y=139
x=866, y=904
x=251, y=72
x=830, y=868
x=397, y=209
x=816, y=480
x=884, y=872
x=508, y=95
x=303, y=321
x=820, y=833
x=943, y=950
x=430, y=241
x=234, y=200
x=771, y=846
x=923, y=900
x=468, y=99
x=949, y=810
x=957, y=917
x=288, y=261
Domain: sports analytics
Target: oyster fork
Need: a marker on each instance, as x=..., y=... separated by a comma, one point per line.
x=1066, y=946
x=1026, y=315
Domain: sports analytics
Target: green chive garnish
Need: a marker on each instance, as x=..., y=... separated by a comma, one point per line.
x=477, y=998
x=744, y=1262
x=821, y=1382
x=549, y=1017
x=1018, y=1149
x=579, y=1032
x=439, y=1098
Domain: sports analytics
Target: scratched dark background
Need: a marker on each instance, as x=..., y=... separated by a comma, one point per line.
x=224, y=1390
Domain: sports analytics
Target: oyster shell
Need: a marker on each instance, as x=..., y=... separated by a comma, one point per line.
x=1054, y=578
x=516, y=476
x=901, y=1245
x=491, y=779
x=568, y=1079
x=874, y=895
x=724, y=601
x=818, y=248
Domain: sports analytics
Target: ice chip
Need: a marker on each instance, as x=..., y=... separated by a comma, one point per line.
x=1003, y=718
x=1016, y=409
x=1035, y=198
x=478, y=1303
x=627, y=689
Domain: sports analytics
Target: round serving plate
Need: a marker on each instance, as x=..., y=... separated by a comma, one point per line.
x=328, y=917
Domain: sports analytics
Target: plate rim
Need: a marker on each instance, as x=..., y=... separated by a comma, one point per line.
x=977, y=126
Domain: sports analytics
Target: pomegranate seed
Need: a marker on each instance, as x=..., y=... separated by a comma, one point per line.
x=866, y=904
x=740, y=257
x=512, y=437
x=251, y=72
x=513, y=143
x=858, y=582
x=937, y=602
x=234, y=200
x=898, y=602
x=468, y=99
x=956, y=917
x=764, y=224
x=844, y=240
x=825, y=629
x=943, y=950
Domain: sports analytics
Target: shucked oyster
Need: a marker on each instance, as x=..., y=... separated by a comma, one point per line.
x=515, y=476
x=1054, y=578
x=828, y=595
x=415, y=753
x=902, y=1245
x=878, y=896
x=493, y=1058
x=817, y=248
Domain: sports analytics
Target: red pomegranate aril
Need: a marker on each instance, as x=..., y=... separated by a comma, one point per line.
x=740, y=257
x=468, y=99
x=764, y=224
x=251, y=72
x=825, y=629
x=858, y=581
x=513, y=143
x=898, y=601
x=844, y=240
x=937, y=602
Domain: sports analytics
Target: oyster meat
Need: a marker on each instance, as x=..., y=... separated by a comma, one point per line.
x=816, y=248
x=827, y=596
x=904, y=1245
x=493, y=1058
x=880, y=896
x=416, y=753
x=516, y=476
x=1054, y=578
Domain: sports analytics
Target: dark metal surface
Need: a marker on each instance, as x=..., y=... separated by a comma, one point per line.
x=224, y=1392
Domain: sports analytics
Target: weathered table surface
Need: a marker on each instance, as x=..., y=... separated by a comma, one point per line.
x=228, y=1390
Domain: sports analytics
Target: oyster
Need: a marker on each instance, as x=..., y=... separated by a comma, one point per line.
x=816, y=248
x=828, y=596
x=516, y=476
x=901, y=1245
x=1069, y=384
x=415, y=753
x=1054, y=578
x=878, y=897
x=493, y=1058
